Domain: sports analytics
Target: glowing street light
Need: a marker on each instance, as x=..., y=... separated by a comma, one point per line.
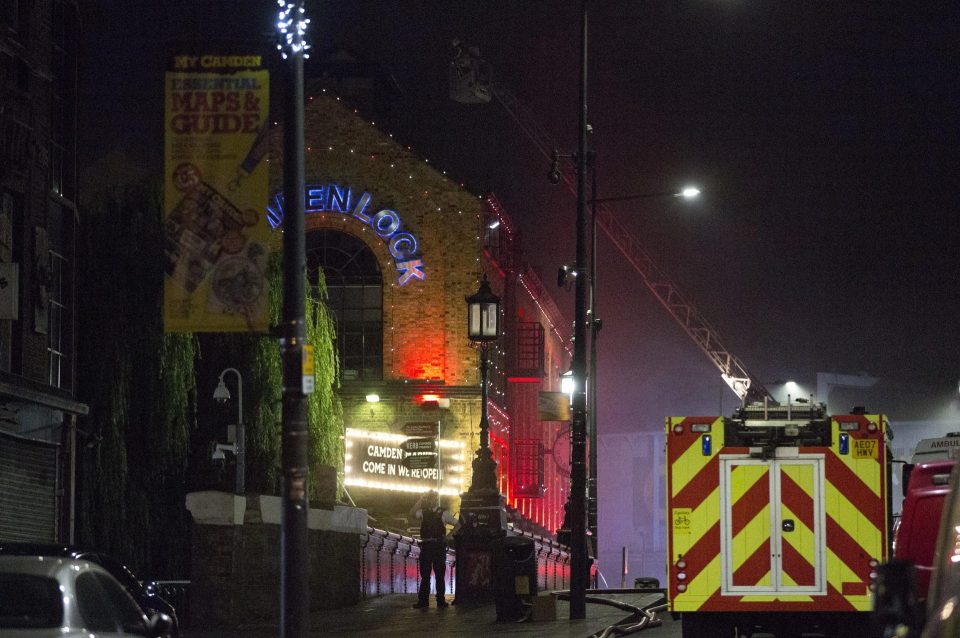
x=567, y=384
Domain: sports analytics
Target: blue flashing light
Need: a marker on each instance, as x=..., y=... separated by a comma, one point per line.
x=706, y=444
x=844, y=444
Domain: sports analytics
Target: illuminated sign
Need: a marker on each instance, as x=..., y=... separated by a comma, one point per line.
x=382, y=460
x=333, y=198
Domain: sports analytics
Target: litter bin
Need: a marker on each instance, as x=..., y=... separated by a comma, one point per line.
x=646, y=582
x=516, y=578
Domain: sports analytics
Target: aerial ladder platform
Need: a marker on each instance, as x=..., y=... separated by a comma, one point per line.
x=471, y=83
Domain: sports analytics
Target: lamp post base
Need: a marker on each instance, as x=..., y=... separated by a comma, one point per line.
x=484, y=525
x=484, y=472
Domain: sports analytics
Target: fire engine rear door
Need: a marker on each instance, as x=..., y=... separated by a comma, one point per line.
x=771, y=538
x=799, y=542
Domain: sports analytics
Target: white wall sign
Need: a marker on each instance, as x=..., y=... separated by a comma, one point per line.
x=376, y=460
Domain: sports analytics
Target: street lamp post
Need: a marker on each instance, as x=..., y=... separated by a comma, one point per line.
x=222, y=394
x=578, y=434
x=480, y=510
x=577, y=503
x=294, y=550
x=688, y=193
x=483, y=328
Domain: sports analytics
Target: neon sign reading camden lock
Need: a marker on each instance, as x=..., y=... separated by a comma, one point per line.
x=333, y=198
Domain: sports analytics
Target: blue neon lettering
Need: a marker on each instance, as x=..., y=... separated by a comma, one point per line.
x=316, y=199
x=403, y=246
x=410, y=270
x=362, y=204
x=274, y=217
x=339, y=198
x=386, y=222
x=275, y=212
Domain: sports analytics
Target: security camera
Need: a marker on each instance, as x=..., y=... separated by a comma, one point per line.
x=219, y=449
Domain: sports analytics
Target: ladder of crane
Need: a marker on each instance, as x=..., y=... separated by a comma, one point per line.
x=732, y=370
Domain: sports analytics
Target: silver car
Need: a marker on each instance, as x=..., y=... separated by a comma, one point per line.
x=41, y=596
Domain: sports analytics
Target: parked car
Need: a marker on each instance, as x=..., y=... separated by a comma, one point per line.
x=47, y=597
x=145, y=595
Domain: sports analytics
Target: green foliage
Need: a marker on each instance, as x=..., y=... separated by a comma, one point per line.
x=148, y=397
x=257, y=357
x=325, y=412
x=139, y=384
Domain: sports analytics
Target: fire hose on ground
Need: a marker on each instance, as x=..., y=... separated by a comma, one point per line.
x=642, y=617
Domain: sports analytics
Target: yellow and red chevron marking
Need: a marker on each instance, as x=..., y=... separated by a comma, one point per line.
x=854, y=514
x=693, y=507
x=750, y=546
x=796, y=502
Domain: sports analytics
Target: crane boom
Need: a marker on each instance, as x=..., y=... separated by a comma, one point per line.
x=470, y=82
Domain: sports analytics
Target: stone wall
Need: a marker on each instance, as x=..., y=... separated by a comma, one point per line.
x=235, y=566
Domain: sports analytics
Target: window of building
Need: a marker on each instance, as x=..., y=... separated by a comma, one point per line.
x=58, y=311
x=527, y=466
x=530, y=347
x=355, y=288
x=59, y=287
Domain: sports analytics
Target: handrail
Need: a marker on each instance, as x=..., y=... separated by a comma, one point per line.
x=383, y=552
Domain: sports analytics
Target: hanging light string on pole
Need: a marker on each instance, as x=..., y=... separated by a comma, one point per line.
x=293, y=30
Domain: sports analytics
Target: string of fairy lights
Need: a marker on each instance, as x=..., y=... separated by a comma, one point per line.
x=292, y=26
x=423, y=177
x=402, y=163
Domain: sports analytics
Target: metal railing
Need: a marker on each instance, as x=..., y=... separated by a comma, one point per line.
x=389, y=564
x=175, y=592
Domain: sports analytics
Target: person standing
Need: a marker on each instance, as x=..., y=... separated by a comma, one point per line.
x=433, y=551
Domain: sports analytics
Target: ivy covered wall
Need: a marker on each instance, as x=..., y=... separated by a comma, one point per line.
x=150, y=393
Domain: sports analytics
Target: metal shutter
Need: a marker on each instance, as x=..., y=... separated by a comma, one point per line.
x=28, y=489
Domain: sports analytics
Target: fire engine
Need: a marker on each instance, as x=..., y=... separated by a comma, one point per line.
x=777, y=519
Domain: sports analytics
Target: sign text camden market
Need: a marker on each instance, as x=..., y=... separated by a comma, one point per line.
x=333, y=198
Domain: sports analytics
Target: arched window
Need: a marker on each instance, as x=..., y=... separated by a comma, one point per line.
x=355, y=286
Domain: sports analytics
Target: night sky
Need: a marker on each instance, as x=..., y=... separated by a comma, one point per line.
x=823, y=134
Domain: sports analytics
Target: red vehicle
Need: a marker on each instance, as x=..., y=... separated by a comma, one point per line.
x=915, y=535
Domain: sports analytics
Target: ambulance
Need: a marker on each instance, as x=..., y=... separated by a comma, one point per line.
x=777, y=518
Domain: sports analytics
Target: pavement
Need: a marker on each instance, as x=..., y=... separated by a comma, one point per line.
x=394, y=615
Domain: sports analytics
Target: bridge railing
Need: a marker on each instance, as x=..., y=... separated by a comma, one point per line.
x=389, y=564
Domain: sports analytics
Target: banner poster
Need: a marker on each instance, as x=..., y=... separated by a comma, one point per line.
x=216, y=233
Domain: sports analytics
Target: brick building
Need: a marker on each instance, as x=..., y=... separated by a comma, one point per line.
x=38, y=221
x=401, y=246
